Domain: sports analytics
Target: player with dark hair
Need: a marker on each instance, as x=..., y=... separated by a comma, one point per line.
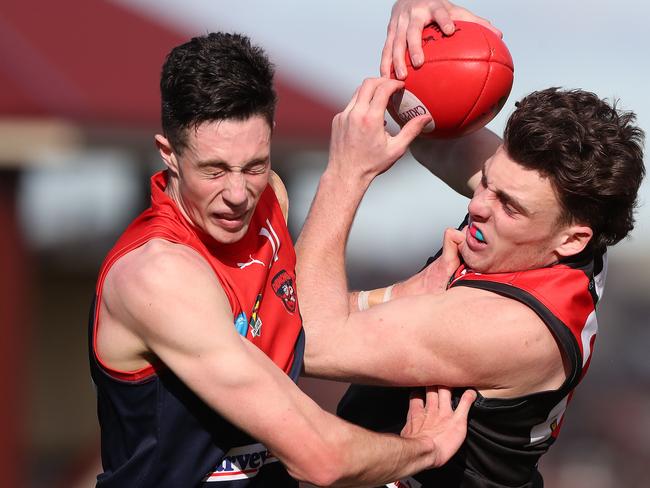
x=509, y=309
x=509, y=306
x=237, y=87
x=586, y=148
x=195, y=334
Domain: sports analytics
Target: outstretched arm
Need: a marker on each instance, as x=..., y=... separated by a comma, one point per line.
x=360, y=149
x=457, y=338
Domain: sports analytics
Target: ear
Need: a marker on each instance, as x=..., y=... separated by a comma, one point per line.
x=573, y=240
x=167, y=153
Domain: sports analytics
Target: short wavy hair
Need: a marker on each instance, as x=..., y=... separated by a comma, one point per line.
x=218, y=76
x=591, y=151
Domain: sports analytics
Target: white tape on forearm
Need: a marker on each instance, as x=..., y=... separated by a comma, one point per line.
x=388, y=292
x=362, y=301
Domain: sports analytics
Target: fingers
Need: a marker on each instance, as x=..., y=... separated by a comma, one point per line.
x=364, y=119
x=488, y=24
x=465, y=403
x=414, y=41
x=359, y=135
x=460, y=13
x=352, y=101
x=387, y=52
x=452, y=239
x=444, y=398
x=374, y=92
x=443, y=19
x=380, y=93
x=408, y=19
x=439, y=399
x=433, y=398
x=399, y=47
x=411, y=130
x=416, y=401
x=416, y=414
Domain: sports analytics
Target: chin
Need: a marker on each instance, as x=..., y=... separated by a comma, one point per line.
x=225, y=237
x=470, y=259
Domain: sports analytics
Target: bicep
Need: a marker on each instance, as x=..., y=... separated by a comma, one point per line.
x=458, y=338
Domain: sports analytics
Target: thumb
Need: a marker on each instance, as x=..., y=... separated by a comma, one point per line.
x=452, y=239
x=412, y=129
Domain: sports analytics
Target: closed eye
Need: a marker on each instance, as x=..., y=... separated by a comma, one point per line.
x=256, y=168
x=508, y=209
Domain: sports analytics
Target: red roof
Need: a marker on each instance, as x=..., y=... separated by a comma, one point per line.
x=96, y=62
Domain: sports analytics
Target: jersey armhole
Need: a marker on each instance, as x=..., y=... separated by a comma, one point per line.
x=568, y=345
x=280, y=193
x=151, y=369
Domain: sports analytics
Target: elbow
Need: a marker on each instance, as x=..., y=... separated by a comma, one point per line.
x=324, y=469
x=324, y=477
x=315, y=352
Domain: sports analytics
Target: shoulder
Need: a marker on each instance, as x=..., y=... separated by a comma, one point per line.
x=479, y=306
x=156, y=260
x=280, y=192
x=156, y=275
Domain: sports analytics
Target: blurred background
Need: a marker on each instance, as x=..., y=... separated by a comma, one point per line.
x=78, y=110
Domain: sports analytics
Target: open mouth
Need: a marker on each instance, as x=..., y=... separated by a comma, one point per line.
x=476, y=233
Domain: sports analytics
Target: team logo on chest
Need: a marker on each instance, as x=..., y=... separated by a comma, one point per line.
x=282, y=284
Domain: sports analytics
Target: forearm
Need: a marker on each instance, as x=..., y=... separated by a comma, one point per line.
x=320, y=253
x=364, y=299
x=360, y=149
x=457, y=162
x=319, y=447
x=371, y=459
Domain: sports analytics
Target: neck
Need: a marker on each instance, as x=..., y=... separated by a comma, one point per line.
x=172, y=190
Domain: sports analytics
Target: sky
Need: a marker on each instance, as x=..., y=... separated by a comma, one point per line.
x=329, y=47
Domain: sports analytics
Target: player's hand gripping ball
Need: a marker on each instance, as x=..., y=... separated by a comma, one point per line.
x=463, y=83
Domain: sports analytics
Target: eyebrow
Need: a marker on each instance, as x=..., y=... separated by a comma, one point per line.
x=223, y=164
x=506, y=197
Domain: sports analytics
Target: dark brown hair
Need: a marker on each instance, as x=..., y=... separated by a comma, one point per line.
x=218, y=76
x=591, y=151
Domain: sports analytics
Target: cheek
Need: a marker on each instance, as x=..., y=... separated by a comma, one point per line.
x=515, y=233
x=256, y=185
x=201, y=191
x=508, y=230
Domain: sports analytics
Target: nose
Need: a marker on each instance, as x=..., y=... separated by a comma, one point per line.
x=479, y=205
x=234, y=193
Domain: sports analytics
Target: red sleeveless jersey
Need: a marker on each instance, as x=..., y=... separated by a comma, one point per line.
x=155, y=431
x=257, y=273
x=506, y=436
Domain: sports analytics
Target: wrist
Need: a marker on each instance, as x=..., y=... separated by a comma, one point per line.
x=420, y=452
x=366, y=299
x=347, y=176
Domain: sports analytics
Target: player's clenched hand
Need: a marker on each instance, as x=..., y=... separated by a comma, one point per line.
x=431, y=416
x=360, y=145
x=407, y=19
x=435, y=277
